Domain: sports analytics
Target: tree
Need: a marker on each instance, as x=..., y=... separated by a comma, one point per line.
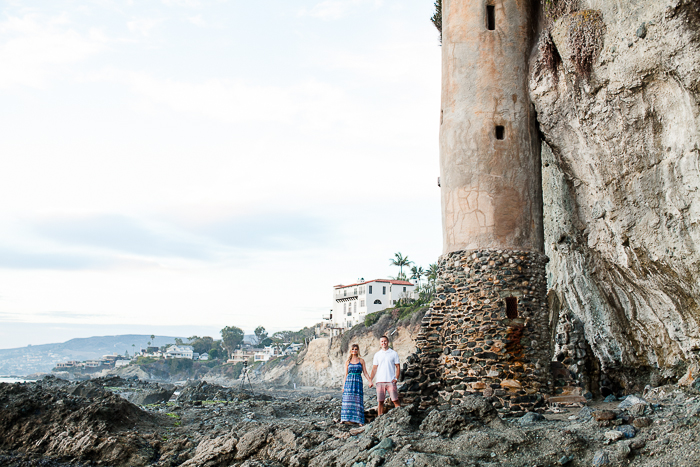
x=231, y=337
x=260, y=335
x=432, y=273
x=437, y=17
x=178, y=341
x=284, y=336
x=202, y=345
x=417, y=272
x=153, y=338
x=400, y=261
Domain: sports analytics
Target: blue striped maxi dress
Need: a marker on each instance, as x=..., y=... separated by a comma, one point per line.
x=353, y=408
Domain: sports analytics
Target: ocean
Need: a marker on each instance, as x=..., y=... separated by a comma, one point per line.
x=12, y=379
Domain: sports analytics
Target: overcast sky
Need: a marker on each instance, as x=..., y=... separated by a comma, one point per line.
x=211, y=163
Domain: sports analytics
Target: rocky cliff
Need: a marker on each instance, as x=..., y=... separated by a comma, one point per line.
x=616, y=86
x=322, y=363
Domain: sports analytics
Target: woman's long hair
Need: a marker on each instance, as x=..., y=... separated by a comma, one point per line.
x=353, y=346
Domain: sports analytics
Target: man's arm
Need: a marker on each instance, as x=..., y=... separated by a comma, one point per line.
x=398, y=371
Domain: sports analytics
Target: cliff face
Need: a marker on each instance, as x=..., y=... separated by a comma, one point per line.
x=322, y=364
x=621, y=172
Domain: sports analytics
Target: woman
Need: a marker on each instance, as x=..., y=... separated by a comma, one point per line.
x=353, y=408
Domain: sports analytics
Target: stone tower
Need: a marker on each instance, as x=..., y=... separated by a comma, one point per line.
x=488, y=329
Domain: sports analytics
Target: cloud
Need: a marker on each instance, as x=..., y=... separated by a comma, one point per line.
x=143, y=25
x=183, y=3
x=198, y=21
x=19, y=259
x=33, y=48
x=121, y=234
x=310, y=104
x=336, y=9
x=269, y=231
x=102, y=241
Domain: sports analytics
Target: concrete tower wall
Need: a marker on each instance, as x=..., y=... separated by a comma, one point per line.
x=488, y=330
x=491, y=188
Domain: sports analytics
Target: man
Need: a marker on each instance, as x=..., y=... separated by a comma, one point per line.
x=386, y=367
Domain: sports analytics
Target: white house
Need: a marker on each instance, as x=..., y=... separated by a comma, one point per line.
x=179, y=351
x=267, y=353
x=293, y=349
x=352, y=302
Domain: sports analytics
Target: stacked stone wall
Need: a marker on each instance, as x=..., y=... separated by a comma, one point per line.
x=572, y=366
x=468, y=345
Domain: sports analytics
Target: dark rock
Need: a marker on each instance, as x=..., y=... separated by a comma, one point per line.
x=602, y=415
x=642, y=31
x=641, y=422
x=585, y=413
x=601, y=459
x=627, y=430
x=530, y=418
x=151, y=397
x=629, y=401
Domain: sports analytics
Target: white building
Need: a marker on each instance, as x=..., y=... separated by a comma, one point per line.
x=352, y=302
x=267, y=353
x=179, y=351
x=293, y=349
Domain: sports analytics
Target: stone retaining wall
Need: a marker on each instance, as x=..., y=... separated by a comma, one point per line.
x=468, y=345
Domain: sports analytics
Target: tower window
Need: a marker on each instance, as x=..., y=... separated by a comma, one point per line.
x=500, y=132
x=491, y=17
x=511, y=307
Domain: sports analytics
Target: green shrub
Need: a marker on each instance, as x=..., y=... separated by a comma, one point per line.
x=145, y=360
x=372, y=318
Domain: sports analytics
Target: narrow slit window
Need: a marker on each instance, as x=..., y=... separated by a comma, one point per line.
x=511, y=307
x=491, y=17
x=500, y=132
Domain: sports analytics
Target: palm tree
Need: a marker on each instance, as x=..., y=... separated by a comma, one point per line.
x=400, y=261
x=432, y=272
x=417, y=272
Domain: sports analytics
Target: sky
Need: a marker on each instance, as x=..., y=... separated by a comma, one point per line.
x=210, y=163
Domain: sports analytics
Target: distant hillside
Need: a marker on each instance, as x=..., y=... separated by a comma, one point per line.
x=42, y=358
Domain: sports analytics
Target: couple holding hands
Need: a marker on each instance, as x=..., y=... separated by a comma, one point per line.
x=385, y=366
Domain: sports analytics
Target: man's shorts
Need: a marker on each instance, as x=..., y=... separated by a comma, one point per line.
x=383, y=388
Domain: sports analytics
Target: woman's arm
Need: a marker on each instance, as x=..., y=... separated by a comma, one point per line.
x=345, y=378
x=364, y=370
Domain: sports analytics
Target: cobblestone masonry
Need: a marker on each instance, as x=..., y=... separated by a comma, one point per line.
x=468, y=344
x=572, y=366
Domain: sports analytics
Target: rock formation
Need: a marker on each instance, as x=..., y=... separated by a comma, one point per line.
x=621, y=172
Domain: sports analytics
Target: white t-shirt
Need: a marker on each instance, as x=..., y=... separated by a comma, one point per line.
x=386, y=361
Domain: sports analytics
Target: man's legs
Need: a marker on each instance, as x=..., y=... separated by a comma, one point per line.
x=394, y=394
x=381, y=390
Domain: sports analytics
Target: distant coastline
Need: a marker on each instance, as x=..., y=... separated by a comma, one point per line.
x=14, y=379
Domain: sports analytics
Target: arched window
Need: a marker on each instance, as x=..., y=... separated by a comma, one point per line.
x=377, y=302
x=511, y=307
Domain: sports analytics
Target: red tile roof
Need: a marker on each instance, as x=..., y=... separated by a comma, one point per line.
x=390, y=281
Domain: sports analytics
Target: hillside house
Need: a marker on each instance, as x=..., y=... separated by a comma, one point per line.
x=351, y=303
x=241, y=355
x=179, y=351
x=292, y=349
x=267, y=353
